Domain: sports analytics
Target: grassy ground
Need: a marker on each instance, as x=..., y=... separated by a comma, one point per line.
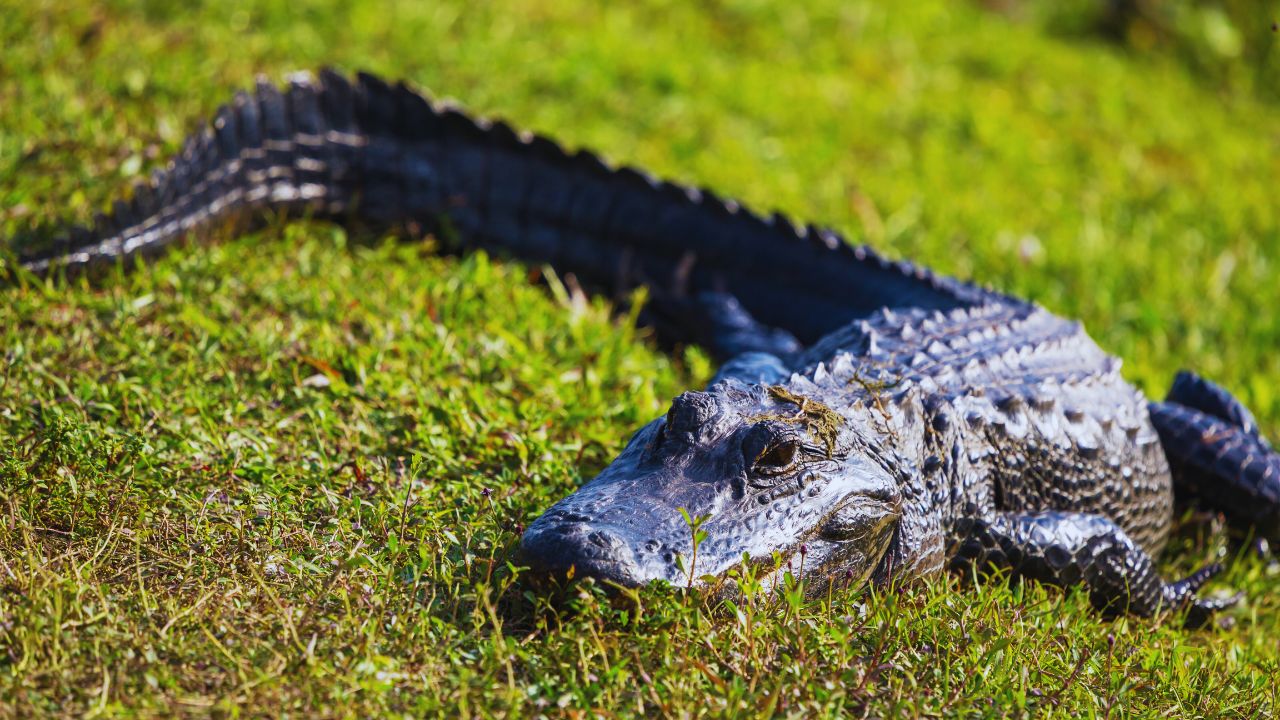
x=190, y=521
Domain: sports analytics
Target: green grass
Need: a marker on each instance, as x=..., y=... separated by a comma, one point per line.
x=188, y=523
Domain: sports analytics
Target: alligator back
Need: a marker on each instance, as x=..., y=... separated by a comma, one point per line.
x=1002, y=408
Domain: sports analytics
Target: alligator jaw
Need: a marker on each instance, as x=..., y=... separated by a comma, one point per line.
x=566, y=548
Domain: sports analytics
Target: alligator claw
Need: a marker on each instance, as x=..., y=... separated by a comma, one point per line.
x=1180, y=592
x=1200, y=611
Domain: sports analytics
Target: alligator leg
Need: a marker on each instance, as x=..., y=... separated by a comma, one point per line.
x=1217, y=456
x=749, y=350
x=1192, y=391
x=753, y=368
x=719, y=323
x=1062, y=548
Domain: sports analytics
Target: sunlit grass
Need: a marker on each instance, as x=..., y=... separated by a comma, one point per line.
x=286, y=472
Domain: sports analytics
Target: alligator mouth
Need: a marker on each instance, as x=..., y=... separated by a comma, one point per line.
x=842, y=549
x=568, y=549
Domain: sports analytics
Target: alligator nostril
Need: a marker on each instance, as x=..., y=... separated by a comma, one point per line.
x=554, y=546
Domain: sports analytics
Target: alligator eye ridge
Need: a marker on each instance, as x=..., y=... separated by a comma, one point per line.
x=770, y=449
x=776, y=458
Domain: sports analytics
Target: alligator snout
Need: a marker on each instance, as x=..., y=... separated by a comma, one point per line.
x=556, y=548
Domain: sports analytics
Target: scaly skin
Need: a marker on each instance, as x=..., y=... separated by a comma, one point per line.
x=872, y=419
x=1000, y=434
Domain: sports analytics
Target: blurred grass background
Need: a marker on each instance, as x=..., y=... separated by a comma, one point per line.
x=1229, y=45
x=283, y=474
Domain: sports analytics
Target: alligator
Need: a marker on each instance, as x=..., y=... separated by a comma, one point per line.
x=871, y=421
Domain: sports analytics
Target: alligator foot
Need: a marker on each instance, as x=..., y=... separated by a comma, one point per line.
x=1200, y=611
x=1065, y=549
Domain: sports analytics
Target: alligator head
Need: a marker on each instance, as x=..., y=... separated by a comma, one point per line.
x=770, y=473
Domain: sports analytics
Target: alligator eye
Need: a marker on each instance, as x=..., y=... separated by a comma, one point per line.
x=777, y=457
x=769, y=448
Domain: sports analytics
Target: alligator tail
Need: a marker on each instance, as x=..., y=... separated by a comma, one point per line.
x=296, y=150
x=383, y=153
